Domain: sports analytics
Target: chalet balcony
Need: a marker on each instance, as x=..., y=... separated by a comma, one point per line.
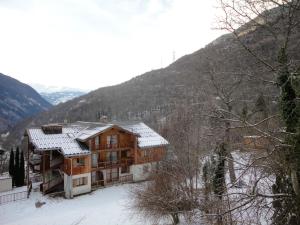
x=115, y=164
x=117, y=147
x=79, y=169
x=35, y=159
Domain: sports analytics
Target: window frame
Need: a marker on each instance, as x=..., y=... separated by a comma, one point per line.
x=80, y=181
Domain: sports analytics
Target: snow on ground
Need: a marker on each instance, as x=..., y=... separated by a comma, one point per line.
x=107, y=206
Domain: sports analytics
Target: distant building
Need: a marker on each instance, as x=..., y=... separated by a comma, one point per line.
x=78, y=157
x=256, y=142
x=5, y=182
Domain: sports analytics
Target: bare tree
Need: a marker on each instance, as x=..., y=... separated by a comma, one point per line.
x=175, y=186
x=277, y=20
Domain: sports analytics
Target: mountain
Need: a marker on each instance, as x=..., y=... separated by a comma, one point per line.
x=185, y=84
x=60, y=97
x=40, y=88
x=17, y=102
x=56, y=95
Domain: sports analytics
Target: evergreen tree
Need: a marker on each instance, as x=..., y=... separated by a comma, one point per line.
x=288, y=211
x=219, y=176
x=12, y=166
x=22, y=169
x=260, y=104
x=17, y=168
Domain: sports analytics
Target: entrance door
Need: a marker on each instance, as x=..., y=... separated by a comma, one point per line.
x=112, y=175
x=97, y=178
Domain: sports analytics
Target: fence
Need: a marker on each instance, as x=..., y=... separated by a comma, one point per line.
x=13, y=197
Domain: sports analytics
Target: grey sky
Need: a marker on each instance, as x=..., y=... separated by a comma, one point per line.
x=94, y=43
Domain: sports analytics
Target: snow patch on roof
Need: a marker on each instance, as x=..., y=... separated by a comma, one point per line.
x=85, y=134
x=146, y=136
x=65, y=142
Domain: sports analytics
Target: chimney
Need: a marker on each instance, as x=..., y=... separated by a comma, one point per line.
x=104, y=119
x=52, y=129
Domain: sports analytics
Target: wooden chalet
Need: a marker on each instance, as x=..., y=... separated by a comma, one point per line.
x=76, y=158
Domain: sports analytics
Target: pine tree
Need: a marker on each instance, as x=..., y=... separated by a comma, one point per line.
x=22, y=169
x=12, y=166
x=17, y=168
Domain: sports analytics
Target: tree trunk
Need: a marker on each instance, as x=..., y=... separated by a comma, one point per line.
x=228, y=152
x=175, y=218
x=231, y=168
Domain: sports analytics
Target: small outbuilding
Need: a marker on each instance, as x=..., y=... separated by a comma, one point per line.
x=5, y=183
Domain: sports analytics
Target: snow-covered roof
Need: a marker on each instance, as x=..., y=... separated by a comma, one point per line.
x=87, y=133
x=64, y=142
x=69, y=142
x=146, y=136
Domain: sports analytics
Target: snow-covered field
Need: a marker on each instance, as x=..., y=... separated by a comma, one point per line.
x=108, y=206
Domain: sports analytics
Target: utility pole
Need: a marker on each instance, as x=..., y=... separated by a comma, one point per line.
x=174, y=56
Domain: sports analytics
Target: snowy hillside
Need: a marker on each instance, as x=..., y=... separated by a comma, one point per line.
x=108, y=206
x=59, y=97
x=51, y=89
x=56, y=94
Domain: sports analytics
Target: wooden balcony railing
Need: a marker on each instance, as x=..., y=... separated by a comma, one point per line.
x=79, y=169
x=114, y=146
x=35, y=159
x=116, y=163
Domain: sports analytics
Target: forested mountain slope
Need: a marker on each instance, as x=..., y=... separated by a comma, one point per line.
x=17, y=102
x=185, y=83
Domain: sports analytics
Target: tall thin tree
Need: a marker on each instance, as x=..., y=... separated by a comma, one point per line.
x=12, y=165
x=22, y=169
x=17, y=168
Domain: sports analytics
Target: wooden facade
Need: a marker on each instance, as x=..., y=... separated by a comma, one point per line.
x=111, y=154
x=124, y=151
x=256, y=142
x=77, y=165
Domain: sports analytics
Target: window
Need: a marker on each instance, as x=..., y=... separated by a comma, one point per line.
x=78, y=162
x=125, y=154
x=94, y=159
x=111, y=156
x=112, y=140
x=125, y=169
x=80, y=181
x=112, y=175
x=146, y=153
x=93, y=177
x=97, y=141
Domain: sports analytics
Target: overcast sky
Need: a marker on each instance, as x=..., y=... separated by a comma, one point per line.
x=94, y=43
